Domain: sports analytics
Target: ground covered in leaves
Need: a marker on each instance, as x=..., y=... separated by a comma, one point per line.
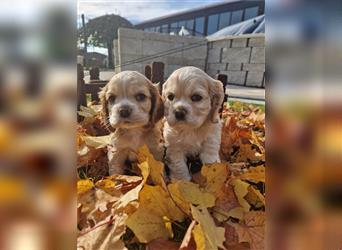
x=222, y=208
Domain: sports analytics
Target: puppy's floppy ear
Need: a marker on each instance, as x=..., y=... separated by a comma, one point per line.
x=157, y=107
x=216, y=96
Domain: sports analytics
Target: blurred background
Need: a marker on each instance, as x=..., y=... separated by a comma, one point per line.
x=304, y=124
x=38, y=122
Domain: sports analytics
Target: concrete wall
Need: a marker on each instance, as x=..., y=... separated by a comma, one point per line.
x=241, y=58
x=177, y=51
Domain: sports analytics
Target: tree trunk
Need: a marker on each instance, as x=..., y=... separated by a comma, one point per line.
x=110, y=55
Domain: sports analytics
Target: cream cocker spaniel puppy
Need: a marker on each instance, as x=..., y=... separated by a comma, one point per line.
x=131, y=106
x=192, y=100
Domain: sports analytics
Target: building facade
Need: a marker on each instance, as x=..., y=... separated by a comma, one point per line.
x=206, y=20
x=241, y=58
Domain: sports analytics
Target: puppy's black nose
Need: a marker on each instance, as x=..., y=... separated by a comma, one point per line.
x=180, y=114
x=125, y=112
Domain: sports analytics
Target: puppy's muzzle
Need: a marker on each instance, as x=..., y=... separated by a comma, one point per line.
x=125, y=111
x=180, y=114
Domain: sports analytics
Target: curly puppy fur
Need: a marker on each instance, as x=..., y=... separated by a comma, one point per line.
x=192, y=100
x=131, y=108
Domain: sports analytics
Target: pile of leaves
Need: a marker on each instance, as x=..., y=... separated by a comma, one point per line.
x=223, y=207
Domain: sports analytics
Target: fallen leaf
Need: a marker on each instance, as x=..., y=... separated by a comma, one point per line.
x=87, y=112
x=225, y=202
x=156, y=167
x=216, y=175
x=97, y=141
x=133, y=194
x=254, y=197
x=108, y=186
x=147, y=226
x=84, y=186
x=253, y=230
x=200, y=239
x=241, y=190
x=207, y=235
x=246, y=152
x=159, y=202
x=231, y=236
x=104, y=236
x=254, y=174
x=185, y=193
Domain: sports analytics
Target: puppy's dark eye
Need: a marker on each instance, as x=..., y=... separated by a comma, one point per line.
x=140, y=97
x=111, y=99
x=171, y=97
x=196, y=98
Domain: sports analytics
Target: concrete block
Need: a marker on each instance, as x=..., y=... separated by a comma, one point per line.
x=235, y=77
x=256, y=42
x=214, y=55
x=260, y=67
x=154, y=47
x=234, y=66
x=189, y=39
x=224, y=43
x=129, y=33
x=236, y=55
x=239, y=43
x=196, y=52
x=254, y=79
x=217, y=66
x=258, y=55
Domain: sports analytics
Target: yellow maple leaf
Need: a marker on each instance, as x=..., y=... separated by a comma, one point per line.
x=133, y=194
x=162, y=211
x=241, y=190
x=84, y=185
x=216, y=175
x=206, y=234
x=147, y=226
x=185, y=193
x=254, y=174
x=156, y=167
x=159, y=202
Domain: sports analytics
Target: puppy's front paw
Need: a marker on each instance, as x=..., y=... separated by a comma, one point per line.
x=179, y=171
x=209, y=158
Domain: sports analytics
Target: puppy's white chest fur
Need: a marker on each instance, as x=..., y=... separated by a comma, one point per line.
x=191, y=141
x=129, y=139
